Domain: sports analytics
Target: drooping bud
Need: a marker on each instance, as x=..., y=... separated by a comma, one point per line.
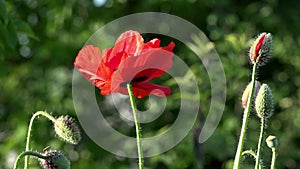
x=260, y=50
x=54, y=160
x=246, y=93
x=264, y=102
x=272, y=142
x=66, y=128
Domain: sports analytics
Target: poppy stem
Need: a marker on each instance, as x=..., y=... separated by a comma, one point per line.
x=137, y=127
x=26, y=154
x=274, y=158
x=27, y=148
x=240, y=147
x=259, y=146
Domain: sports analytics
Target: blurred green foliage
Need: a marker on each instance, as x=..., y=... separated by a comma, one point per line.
x=40, y=39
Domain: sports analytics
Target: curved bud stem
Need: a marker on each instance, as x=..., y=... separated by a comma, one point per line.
x=137, y=127
x=26, y=154
x=240, y=147
x=27, y=148
x=249, y=152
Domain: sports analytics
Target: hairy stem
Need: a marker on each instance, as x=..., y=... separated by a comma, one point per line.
x=137, y=127
x=27, y=154
x=240, y=147
x=259, y=145
x=27, y=148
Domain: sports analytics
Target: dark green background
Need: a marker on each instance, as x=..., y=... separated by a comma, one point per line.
x=54, y=31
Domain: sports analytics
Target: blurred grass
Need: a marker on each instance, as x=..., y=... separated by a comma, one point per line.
x=36, y=62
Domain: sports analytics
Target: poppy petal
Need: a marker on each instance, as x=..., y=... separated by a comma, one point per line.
x=129, y=43
x=87, y=62
x=154, y=43
x=143, y=89
x=170, y=47
x=148, y=74
x=147, y=66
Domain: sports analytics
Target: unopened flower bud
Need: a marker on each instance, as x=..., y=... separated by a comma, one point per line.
x=260, y=50
x=66, y=128
x=54, y=160
x=246, y=93
x=272, y=142
x=264, y=102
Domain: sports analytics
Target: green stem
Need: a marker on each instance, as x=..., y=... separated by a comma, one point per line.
x=137, y=127
x=250, y=152
x=27, y=148
x=259, y=146
x=274, y=158
x=26, y=154
x=238, y=155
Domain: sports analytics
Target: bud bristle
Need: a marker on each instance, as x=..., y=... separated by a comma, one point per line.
x=264, y=103
x=54, y=160
x=66, y=128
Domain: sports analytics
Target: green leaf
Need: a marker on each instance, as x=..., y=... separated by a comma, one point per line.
x=9, y=35
x=3, y=12
x=23, y=27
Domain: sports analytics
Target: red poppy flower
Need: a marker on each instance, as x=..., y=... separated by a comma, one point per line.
x=129, y=61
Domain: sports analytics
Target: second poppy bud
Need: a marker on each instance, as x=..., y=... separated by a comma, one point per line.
x=246, y=93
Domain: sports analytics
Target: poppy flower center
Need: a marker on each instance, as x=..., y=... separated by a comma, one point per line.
x=136, y=79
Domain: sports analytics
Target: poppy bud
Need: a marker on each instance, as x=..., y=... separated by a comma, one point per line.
x=245, y=95
x=264, y=102
x=54, y=160
x=272, y=142
x=260, y=50
x=67, y=130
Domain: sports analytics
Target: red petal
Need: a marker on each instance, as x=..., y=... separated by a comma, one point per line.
x=141, y=90
x=154, y=43
x=87, y=62
x=258, y=46
x=148, y=74
x=129, y=43
x=90, y=64
x=150, y=64
x=170, y=47
x=144, y=89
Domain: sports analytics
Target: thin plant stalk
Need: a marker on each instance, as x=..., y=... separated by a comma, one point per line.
x=274, y=158
x=249, y=152
x=259, y=145
x=27, y=148
x=238, y=155
x=27, y=154
x=137, y=127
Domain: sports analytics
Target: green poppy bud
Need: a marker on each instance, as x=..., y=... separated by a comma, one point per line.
x=66, y=128
x=54, y=160
x=246, y=93
x=272, y=142
x=264, y=102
